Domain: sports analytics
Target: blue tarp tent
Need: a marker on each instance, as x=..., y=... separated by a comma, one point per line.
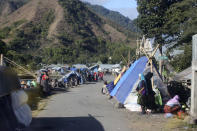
x=126, y=83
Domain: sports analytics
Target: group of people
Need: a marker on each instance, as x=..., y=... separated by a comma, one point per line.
x=28, y=84
x=94, y=76
x=147, y=99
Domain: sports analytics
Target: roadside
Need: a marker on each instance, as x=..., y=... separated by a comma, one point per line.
x=85, y=108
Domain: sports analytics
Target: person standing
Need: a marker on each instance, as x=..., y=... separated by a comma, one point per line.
x=45, y=83
x=146, y=94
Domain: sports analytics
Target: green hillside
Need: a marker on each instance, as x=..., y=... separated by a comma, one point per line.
x=114, y=16
x=59, y=31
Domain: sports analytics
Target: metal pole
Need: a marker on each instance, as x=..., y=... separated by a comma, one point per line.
x=1, y=63
x=194, y=81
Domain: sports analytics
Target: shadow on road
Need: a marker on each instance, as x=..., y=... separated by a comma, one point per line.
x=59, y=90
x=88, y=83
x=65, y=124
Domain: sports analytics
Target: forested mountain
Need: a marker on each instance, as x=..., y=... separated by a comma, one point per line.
x=52, y=31
x=114, y=16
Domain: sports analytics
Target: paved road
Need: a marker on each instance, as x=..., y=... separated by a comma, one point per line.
x=82, y=108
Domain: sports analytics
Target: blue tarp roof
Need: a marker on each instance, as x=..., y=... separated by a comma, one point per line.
x=73, y=69
x=126, y=83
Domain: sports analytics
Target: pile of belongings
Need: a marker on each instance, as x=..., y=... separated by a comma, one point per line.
x=178, y=105
x=15, y=114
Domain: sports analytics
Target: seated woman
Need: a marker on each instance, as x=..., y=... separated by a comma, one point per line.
x=173, y=106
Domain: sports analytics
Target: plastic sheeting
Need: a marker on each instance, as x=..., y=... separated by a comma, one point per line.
x=23, y=115
x=131, y=103
x=110, y=87
x=123, y=78
x=126, y=83
x=21, y=109
x=18, y=98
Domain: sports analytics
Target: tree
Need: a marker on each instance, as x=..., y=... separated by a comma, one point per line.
x=183, y=61
x=152, y=18
x=181, y=22
x=171, y=22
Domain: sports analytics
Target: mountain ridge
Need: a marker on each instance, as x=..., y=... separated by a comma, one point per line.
x=48, y=31
x=114, y=16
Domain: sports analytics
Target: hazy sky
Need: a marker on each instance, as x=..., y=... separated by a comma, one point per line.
x=125, y=7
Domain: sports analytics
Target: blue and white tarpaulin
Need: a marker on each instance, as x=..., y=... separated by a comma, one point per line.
x=126, y=83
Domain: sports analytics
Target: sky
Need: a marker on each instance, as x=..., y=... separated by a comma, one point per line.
x=126, y=7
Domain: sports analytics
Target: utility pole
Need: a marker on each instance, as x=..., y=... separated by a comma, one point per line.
x=1, y=63
x=194, y=81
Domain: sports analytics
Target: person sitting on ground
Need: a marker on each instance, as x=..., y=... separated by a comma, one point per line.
x=104, y=88
x=173, y=106
x=145, y=93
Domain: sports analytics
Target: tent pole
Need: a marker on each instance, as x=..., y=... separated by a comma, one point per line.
x=152, y=80
x=1, y=63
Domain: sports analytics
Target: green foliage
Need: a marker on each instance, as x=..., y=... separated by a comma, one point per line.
x=29, y=36
x=181, y=22
x=183, y=61
x=5, y=32
x=3, y=47
x=152, y=18
x=170, y=22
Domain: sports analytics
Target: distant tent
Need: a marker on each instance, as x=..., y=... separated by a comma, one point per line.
x=93, y=67
x=126, y=83
x=73, y=69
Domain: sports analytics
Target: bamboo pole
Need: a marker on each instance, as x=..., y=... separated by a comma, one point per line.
x=25, y=70
x=152, y=80
x=1, y=63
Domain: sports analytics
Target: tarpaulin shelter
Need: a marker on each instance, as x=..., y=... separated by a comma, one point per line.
x=73, y=69
x=129, y=80
x=125, y=84
x=93, y=67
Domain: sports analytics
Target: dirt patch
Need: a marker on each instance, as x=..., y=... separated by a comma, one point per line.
x=26, y=12
x=151, y=122
x=114, y=34
x=59, y=16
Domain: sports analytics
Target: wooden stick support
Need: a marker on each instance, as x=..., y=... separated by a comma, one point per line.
x=1, y=63
x=152, y=80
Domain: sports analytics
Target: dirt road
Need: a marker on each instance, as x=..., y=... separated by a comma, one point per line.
x=83, y=108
